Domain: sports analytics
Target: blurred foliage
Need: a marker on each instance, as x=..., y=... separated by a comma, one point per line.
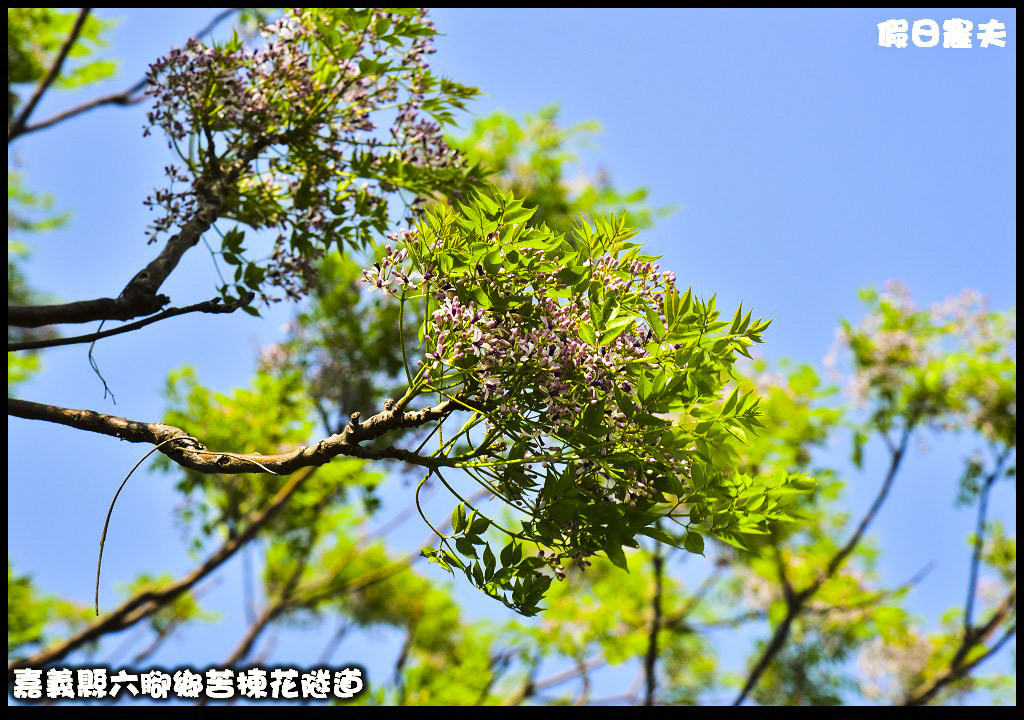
x=33, y=619
x=533, y=158
x=35, y=35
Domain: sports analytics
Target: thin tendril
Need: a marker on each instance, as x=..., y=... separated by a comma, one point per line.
x=103, y=537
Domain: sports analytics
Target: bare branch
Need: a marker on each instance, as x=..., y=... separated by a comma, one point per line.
x=126, y=97
x=652, y=642
x=190, y=453
x=213, y=306
x=83, y=311
x=979, y=539
x=16, y=128
x=212, y=196
x=139, y=296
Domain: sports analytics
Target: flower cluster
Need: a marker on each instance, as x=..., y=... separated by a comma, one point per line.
x=950, y=365
x=294, y=123
x=237, y=89
x=530, y=361
x=388, y=274
x=889, y=667
x=586, y=389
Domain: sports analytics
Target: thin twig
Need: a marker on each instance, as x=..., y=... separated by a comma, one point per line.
x=18, y=126
x=110, y=511
x=126, y=97
x=956, y=670
x=332, y=645
x=210, y=306
x=979, y=540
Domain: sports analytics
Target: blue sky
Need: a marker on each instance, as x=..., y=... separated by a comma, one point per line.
x=804, y=162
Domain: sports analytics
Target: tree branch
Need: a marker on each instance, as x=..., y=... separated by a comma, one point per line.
x=83, y=311
x=796, y=603
x=16, y=128
x=566, y=675
x=213, y=306
x=139, y=296
x=333, y=643
x=652, y=642
x=957, y=669
x=190, y=453
x=676, y=621
x=979, y=540
x=147, y=602
x=126, y=97
x=165, y=632
x=211, y=196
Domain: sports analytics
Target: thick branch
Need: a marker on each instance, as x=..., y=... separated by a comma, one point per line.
x=190, y=453
x=146, y=603
x=18, y=125
x=139, y=296
x=210, y=306
x=83, y=311
x=211, y=196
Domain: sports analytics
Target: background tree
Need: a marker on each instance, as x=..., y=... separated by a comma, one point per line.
x=321, y=562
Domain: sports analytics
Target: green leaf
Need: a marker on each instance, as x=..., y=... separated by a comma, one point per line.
x=587, y=334
x=731, y=402
x=506, y=554
x=655, y=323
x=518, y=216
x=735, y=327
x=694, y=542
x=479, y=525
x=465, y=546
x=488, y=204
x=859, y=440
x=489, y=563
x=459, y=518
x=660, y=535
x=687, y=302
x=614, y=552
x=615, y=328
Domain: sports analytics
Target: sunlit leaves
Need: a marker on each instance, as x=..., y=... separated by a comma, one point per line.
x=598, y=391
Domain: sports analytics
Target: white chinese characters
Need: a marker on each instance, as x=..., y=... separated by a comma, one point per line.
x=215, y=683
x=956, y=33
